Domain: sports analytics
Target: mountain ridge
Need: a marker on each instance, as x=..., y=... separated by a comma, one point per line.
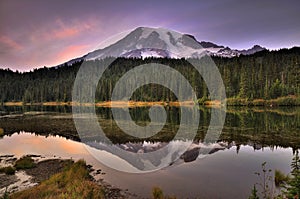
x=145, y=42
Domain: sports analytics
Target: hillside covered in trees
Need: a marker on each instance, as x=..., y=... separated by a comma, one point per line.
x=264, y=75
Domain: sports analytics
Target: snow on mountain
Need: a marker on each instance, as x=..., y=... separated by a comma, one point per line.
x=168, y=152
x=227, y=52
x=149, y=52
x=159, y=42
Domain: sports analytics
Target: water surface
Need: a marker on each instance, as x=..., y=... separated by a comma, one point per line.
x=249, y=138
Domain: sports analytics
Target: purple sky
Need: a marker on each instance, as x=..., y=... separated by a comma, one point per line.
x=37, y=33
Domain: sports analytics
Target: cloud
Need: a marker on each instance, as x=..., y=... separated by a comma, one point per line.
x=67, y=32
x=70, y=52
x=62, y=30
x=9, y=43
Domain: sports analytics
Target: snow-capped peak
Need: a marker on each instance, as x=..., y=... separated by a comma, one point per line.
x=153, y=42
x=159, y=42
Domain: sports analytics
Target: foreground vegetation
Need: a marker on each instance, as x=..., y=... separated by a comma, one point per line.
x=289, y=185
x=158, y=193
x=8, y=170
x=73, y=182
x=1, y=132
x=25, y=162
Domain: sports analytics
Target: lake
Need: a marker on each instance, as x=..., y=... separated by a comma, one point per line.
x=250, y=136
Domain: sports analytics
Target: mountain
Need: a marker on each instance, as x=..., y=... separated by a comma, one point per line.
x=206, y=44
x=167, y=156
x=159, y=42
x=254, y=49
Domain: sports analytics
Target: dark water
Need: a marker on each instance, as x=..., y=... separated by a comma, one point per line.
x=250, y=137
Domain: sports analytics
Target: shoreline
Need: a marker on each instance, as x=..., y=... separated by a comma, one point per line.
x=290, y=100
x=107, y=104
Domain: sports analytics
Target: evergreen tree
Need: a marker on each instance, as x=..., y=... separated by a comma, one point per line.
x=293, y=189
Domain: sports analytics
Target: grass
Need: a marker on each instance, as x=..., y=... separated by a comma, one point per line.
x=5, y=195
x=8, y=170
x=1, y=132
x=157, y=193
x=235, y=101
x=25, y=162
x=203, y=100
x=290, y=100
x=73, y=182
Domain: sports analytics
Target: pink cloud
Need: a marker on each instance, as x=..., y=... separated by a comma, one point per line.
x=70, y=52
x=61, y=30
x=10, y=43
x=53, y=43
x=67, y=32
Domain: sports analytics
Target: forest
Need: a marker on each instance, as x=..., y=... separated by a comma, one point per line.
x=264, y=75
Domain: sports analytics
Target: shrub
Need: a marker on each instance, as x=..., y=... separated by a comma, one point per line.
x=236, y=101
x=291, y=187
x=266, y=181
x=280, y=178
x=287, y=101
x=290, y=100
x=202, y=100
x=25, y=162
x=8, y=170
x=157, y=193
x=259, y=102
x=254, y=194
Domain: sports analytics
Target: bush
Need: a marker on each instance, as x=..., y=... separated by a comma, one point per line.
x=291, y=184
x=290, y=100
x=254, y=194
x=259, y=102
x=280, y=178
x=8, y=170
x=157, y=193
x=237, y=101
x=286, y=101
x=25, y=162
x=202, y=100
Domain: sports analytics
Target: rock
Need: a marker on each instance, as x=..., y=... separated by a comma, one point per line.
x=6, y=180
x=190, y=155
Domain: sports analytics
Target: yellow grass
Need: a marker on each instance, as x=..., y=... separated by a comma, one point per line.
x=132, y=104
x=1, y=131
x=13, y=103
x=213, y=103
x=73, y=182
x=56, y=103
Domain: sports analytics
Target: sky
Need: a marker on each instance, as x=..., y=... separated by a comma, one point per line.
x=38, y=33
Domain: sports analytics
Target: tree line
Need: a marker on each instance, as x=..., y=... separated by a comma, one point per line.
x=263, y=75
